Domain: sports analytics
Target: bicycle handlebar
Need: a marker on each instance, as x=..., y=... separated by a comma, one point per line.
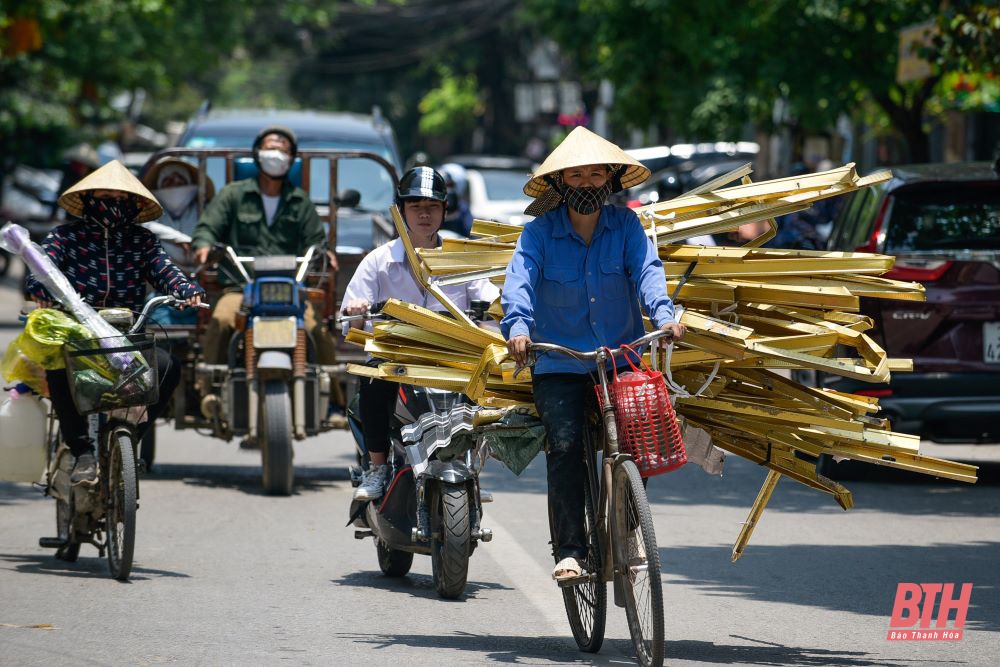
x=156, y=302
x=585, y=356
x=600, y=354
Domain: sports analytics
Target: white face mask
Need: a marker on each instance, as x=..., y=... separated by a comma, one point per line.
x=274, y=163
x=175, y=200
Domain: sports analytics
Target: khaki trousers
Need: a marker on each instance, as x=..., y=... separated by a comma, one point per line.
x=221, y=327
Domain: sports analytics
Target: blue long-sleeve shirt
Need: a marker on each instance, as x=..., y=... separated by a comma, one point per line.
x=560, y=290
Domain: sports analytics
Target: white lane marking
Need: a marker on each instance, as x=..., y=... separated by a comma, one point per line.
x=530, y=577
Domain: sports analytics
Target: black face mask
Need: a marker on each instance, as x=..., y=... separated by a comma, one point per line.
x=110, y=213
x=588, y=199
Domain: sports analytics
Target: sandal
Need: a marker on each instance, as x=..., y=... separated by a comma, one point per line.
x=567, y=568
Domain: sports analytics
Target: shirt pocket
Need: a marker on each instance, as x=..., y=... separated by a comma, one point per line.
x=614, y=283
x=247, y=227
x=561, y=287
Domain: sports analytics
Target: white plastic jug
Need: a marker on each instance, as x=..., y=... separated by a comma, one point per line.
x=22, y=437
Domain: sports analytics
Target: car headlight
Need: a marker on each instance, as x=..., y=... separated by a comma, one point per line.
x=276, y=293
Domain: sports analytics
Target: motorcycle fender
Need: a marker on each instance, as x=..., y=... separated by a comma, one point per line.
x=272, y=360
x=452, y=472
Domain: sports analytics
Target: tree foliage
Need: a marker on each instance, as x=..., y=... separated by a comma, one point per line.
x=707, y=68
x=452, y=108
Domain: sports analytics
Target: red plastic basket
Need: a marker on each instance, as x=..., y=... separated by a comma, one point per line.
x=647, y=424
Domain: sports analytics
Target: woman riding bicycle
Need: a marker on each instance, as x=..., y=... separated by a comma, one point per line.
x=108, y=258
x=573, y=281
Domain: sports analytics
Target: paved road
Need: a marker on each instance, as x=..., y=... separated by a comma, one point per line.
x=225, y=575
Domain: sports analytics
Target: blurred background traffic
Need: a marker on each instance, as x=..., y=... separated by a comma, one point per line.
x=483, y=89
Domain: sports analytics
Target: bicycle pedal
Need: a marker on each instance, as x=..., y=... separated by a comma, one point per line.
x=575, y=581
x=52, y=542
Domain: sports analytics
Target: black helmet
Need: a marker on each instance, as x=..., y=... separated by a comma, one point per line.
x=275, y=129
x=422, y=183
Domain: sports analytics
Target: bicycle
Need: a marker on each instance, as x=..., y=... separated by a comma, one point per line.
x=622, y=542
x=124, y=370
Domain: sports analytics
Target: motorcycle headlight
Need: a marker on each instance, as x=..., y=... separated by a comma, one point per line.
x=275, y=293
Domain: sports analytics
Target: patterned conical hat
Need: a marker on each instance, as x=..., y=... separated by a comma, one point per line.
x=112, y=176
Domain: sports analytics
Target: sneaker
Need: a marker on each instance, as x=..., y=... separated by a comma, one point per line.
x=372, y=484
x=84, y=470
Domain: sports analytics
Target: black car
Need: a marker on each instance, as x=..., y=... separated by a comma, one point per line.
x=942, y=223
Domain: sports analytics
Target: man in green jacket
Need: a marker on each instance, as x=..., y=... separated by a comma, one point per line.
x=265, y=215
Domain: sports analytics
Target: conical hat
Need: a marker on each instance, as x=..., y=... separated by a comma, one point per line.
x=153, y=174
x=112, y=176
x=580, y=148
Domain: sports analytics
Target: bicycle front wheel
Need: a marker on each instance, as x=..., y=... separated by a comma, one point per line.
x=120, y=515
x=637, y=563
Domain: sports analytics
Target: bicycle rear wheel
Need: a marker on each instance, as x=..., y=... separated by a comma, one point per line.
x=120, y=514
x=587, y=603
x=637, y=563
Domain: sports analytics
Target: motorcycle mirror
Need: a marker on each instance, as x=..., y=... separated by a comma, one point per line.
x=349, y=198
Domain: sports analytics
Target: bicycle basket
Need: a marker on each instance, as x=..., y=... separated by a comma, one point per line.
x=109, y=373
x=647, y=425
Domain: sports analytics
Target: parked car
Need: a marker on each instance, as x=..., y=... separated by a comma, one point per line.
x=236, y=128
x=942, y=222
x=496, y=186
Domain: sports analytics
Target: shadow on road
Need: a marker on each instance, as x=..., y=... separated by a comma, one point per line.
x=15, y=493
x=881, y=489
x=417, y=585
x=243, y=478
x=84, y=568
x=533, y=649
x=536, y=649
x=855, y=579
x=769, y=653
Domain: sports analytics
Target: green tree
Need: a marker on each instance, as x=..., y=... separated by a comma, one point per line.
x=707, y=68
x=453, y=107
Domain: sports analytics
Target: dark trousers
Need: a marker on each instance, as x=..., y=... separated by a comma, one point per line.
x=565, y=402
x=377, y=403
x=74, y=425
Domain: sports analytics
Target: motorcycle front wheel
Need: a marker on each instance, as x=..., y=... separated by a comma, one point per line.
x=121, y=505
x=274, y=433
x=450, y=544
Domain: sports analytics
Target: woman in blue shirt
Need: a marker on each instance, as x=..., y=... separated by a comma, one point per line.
x=578, y=276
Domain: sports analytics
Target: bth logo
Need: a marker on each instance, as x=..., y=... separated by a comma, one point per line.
x=915, y=604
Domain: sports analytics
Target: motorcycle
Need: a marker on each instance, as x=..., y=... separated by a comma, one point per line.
x=433, y=504
x=28, y=197
x=271, y=391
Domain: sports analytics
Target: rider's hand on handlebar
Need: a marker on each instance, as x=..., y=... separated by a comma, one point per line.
x=201, y=255
x=42, y=303
x=518, y=349
x=193, y=302
x=356, y=307
x=676, y=329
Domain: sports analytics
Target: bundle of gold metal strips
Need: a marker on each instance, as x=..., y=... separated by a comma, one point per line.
x=749, y=311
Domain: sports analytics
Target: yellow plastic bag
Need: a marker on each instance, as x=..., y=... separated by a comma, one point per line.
x=45, y=333
x=16, y=366
x=39, y=348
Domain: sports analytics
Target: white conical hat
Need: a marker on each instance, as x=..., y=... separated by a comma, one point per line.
x=580, y=148
x=112, y=176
